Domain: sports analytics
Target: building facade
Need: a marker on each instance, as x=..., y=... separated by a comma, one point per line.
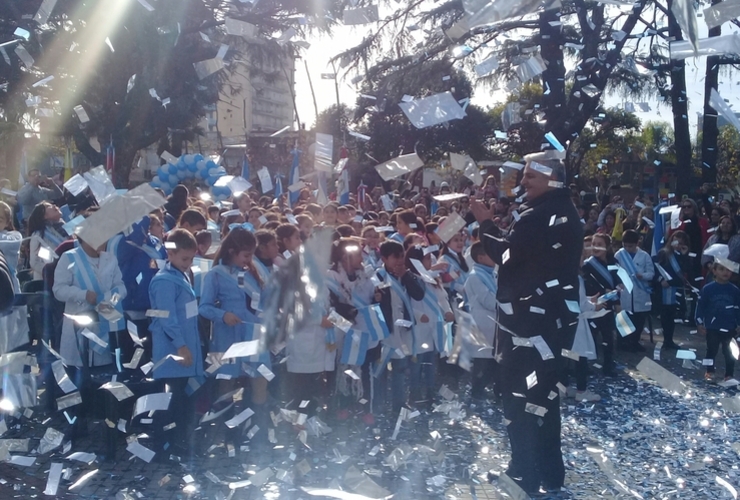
x=255, y=103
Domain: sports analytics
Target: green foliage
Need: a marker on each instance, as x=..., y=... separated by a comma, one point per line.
x=392, y=134
x=524, y=135
x=611, y=139
x=578, y=32
x=728, y=158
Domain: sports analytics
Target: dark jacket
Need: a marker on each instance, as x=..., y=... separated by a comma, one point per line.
x=137, y=266
x=677, y=279
x=544, y=245
x=7, y=293
x=595, y=283
x=413, y=288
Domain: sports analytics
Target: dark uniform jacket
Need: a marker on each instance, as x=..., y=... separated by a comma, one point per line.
x=539, y=260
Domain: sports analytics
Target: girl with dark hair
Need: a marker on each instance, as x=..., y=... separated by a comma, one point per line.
x=46, y=232
x=89, y=281
x=255, y=217
x=600, y=280
x=406, y=224
x=288, y=241
x=715, y=214
x=231, y=300
x=265, y=254
x=610, y=218
x=672, y=264
x=329, y=215
x=646, y=228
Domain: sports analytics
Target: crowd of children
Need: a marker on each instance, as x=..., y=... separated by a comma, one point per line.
x=189, y=282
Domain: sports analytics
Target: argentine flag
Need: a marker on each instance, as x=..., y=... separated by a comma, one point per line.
x=294, y=176
x=375, y=321
x=355, y=347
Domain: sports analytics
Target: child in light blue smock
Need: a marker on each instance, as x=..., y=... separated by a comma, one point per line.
x=175, y=338
x=231, y=299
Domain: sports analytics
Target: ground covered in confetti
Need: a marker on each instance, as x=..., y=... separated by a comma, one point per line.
x=640, y=441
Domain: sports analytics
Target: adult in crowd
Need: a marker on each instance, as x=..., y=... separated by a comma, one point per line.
x=696, y=228
x=45, y=228
x=646, y=228
x=532, y=295
x=694, y=225
x=38, y=188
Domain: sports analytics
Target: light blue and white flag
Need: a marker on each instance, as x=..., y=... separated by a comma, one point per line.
x=624, y=323
x=385, y=357
x=294, y=176
x=344, y=187
x=375, y=321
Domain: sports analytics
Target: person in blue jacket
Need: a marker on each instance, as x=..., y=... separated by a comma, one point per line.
x=231, y=299
x=175, y=338
x=140, y=256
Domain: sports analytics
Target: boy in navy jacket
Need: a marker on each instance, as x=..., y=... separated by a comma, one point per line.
x=718, y=316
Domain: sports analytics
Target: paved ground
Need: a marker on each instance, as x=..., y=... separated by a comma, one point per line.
x=640, y=441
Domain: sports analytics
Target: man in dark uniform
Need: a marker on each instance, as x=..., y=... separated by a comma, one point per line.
x=538, y=278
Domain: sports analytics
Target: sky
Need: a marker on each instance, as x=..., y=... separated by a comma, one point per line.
x=324, y=47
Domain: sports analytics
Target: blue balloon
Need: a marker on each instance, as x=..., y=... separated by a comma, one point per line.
x=210, y=181
x=203, y=174
x=163, y=177
x=197, y=167
x=188, y=159
x=174, y=181
x=197, y=158
x=155, y=183
x=181, y=174
x=172, y=169
x=162, y=170
x=211, y=164
x=221, y=191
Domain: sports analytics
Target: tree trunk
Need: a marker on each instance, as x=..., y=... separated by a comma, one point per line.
x=680, y=106
x=125, y=154
x=568, y=121
x=710, y=131
x=553, y=99
x=84, y=147
x=122, y=169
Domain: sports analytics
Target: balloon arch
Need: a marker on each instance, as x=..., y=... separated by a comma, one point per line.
x=191, y=166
